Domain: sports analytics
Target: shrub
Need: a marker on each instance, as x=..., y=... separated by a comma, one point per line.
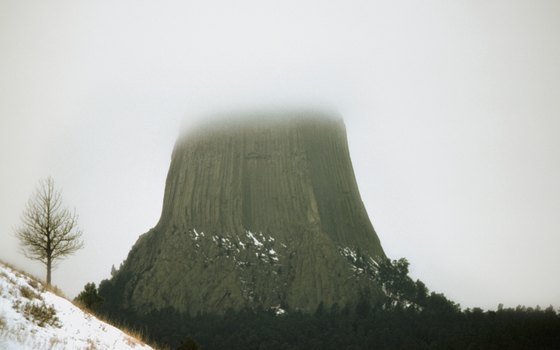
x=54, y=341
x=33, y=283
x=91, y=345
x=55, y=290
x=28, y=293
x=41, y=314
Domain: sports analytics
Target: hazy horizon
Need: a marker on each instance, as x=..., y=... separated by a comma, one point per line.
x=451, y=109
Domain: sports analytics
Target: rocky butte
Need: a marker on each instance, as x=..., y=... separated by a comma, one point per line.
x=262, y=212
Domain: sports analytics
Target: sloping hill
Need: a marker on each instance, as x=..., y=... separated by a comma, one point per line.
x=33, y=318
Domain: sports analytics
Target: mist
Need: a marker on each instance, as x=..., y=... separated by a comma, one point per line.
x=451, y=111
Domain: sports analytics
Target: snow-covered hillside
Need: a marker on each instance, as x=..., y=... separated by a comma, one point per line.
x=33, y=318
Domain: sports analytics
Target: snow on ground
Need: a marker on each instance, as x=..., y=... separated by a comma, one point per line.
x=32, y=318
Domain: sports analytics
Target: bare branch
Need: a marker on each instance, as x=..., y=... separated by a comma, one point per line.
x=49, y=231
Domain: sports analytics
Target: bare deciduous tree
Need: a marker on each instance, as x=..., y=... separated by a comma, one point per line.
x=49, y=231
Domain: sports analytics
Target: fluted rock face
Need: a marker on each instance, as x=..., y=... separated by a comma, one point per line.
x=259, y=213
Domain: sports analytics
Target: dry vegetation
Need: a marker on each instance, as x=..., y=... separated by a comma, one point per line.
x=2, y=322
x=28, y=293
x=29, y=301
x=135, y=336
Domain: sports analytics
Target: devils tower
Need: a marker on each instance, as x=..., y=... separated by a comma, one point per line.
x=259, y=212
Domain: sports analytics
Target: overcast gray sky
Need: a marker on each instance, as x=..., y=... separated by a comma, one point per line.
x=452, y=110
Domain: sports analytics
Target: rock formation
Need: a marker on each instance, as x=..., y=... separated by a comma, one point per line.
x=262, y=212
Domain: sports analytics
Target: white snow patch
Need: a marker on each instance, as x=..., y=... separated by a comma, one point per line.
x=278, y=311
x=255, y=240
x=196, y=235
x=241, y=244
x=351, y=253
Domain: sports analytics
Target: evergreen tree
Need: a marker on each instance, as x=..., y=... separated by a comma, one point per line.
x=89, y=296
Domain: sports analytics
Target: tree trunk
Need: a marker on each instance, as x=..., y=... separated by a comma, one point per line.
x=49, y=265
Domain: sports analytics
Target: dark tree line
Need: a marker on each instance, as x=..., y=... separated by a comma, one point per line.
x=409, y=318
